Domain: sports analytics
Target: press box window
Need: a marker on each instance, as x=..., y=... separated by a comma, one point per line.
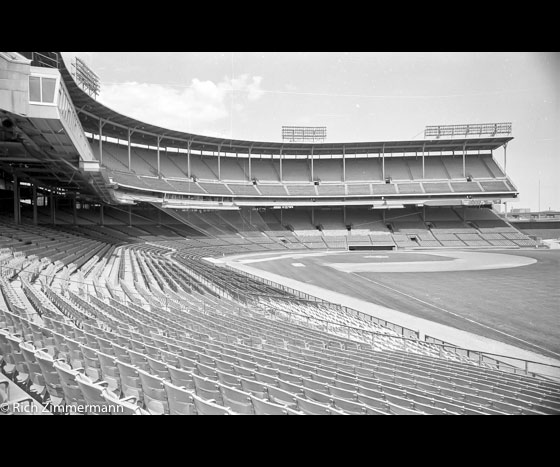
x=41, y=89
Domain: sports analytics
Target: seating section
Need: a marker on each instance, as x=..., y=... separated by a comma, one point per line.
x=361, y=176
x=301, y=190
x=245, y=190
x=410, y=188
x=148, y=327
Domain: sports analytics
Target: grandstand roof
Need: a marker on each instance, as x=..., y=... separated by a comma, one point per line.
x=117, y=126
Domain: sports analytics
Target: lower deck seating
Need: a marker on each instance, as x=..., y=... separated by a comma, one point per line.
x=151, y=328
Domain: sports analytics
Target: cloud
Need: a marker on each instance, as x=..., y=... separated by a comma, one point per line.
x=196, y=108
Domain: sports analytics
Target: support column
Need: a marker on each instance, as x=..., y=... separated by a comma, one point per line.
x=16, y=200
x=101, y=219
x=189, y=159
x=313, y=215
x=505, y=159
x=383, y=162
x=34, y=204
x=281, y=157
x=219, y=163
x=343, y=164
x=100, y=142
x=464, y=163
x=51, y=202
x=344, y=214
x=423, y=167
x=129, y=155
x=312, y=174
x=159, y=217
x=130, y=216
x=158, y=157
x=74, y=210
x=250, y=173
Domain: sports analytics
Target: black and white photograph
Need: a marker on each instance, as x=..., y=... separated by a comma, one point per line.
x=279, y=233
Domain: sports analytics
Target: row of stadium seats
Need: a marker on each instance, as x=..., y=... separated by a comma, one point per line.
x=138, y=370
x=161, y=301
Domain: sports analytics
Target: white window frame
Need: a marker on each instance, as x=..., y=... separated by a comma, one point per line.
x=56, y=89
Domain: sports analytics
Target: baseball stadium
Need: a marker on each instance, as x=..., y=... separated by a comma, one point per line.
x=149, y=271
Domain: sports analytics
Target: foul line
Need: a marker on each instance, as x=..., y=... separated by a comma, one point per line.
x=455, y=314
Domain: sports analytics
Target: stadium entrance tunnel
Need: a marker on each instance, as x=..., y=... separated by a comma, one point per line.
x=370, y=247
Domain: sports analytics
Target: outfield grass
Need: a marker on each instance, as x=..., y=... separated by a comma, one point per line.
x=523, y=302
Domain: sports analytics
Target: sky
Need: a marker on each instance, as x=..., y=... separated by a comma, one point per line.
x=359, y=96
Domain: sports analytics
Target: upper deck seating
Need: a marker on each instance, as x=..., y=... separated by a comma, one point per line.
x=331, y=190
x=296, y=170
x=231, y=170
x=327, y=170
x=497, y=185
x=302, y=190
x=362, y=169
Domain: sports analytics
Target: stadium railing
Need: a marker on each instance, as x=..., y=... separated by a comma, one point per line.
x=516, y=365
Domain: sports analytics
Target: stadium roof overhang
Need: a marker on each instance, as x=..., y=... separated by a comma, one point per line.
x=116, y=125
x=35, y=144
x=39, y=152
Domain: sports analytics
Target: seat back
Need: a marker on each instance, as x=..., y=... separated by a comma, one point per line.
x=130, y=380
x=309, y=407
x=236, y=400
x=320, y=397
x=35, y=373
x=180, y=377
x=349, y=407
x=121, y=353
x=109, y=371
x=179, y=399
x=266, y=379
x=186, y=363
x=155, y=398
x=206, y=360
x=158, y=367
x=169, y=358
x=263, y=407
x=293, y=388
x=256, y=388
x=93, y=394
x=91, y=364
x=342, y=393
x=206, y=389
x=18, y=358
x=281, y=397
x=105, y=346
x=229, y=379
x=72, y=392
x=122, y=406
x=204, y=407
x=50, y=375
x=139, y=360
x=206, y=371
